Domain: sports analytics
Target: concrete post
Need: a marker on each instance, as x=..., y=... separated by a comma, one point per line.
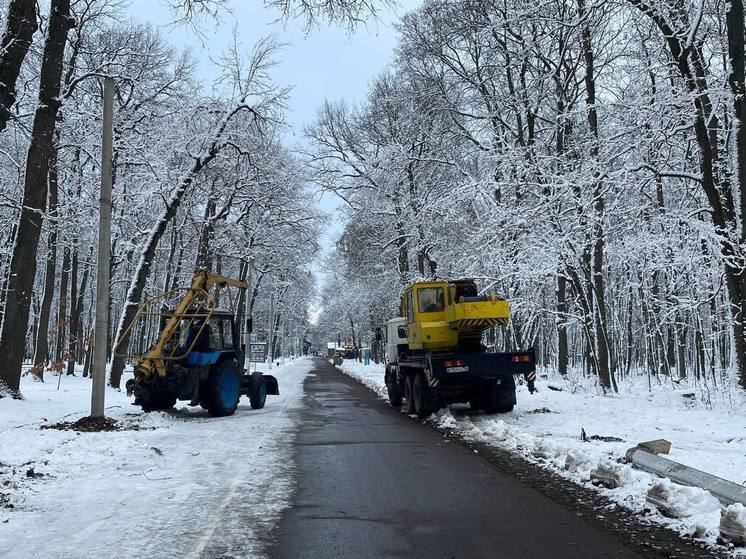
x=726, y=491
x=104, y=250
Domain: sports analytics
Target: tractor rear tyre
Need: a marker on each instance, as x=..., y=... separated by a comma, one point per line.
x=258, y=394
x=424, y=399
x=409, y=395
x=219, y=394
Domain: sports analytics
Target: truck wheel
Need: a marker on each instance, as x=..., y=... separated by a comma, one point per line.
x=423, y=397
x=392, y=387
x=258, y=394
x=220, y=392
x=499, y=400
x=409, y=395
x=395, y=397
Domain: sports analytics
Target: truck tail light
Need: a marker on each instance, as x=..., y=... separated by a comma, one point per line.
x=523, y=358
x=453, y=363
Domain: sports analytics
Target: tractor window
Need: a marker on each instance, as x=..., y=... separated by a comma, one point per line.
x=410, y=307
x=431, y=299
x=227, y=334
x=213, y=328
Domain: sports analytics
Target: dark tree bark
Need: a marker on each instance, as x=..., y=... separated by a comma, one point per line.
x=692, y=68
x=62, y=308
x=597, y=283
x=41, y=352
x=736, y=80
x=23, y=261
x=206, y=235
x=562, y=309
x=20, y=27
x=76, y=311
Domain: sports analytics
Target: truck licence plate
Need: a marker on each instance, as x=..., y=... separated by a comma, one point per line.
x=457, y=369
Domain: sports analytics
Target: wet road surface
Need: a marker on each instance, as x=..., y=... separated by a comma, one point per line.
x=374, y=483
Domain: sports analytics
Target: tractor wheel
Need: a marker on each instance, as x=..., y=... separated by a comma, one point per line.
x=220, y=392
x=423, y=397
x=258, y=394
x=158, y=402
x=409, y=395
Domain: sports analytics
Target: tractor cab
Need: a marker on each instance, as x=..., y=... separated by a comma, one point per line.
x=202, y=337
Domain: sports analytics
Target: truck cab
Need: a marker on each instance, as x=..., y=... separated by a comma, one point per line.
x=396, y=340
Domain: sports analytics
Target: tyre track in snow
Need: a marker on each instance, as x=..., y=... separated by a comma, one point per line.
x=233, y=529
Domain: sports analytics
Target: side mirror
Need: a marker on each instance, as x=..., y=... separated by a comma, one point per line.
x=249, y=325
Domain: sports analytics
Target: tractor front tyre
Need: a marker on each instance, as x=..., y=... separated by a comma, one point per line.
x=158, y=402
x=221, y=391
x=258, y=394
x=424, y=399
x=409, y=395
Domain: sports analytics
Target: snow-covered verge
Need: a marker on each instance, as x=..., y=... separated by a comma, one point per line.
x=707, y=433
x=178, y=484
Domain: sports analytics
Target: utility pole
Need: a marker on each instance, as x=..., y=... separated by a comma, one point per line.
x=104, y=253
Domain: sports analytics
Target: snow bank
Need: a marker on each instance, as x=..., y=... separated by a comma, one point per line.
x=707, y=429
x=182, y=484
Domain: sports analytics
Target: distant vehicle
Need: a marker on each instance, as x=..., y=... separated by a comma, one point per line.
x=434, y=354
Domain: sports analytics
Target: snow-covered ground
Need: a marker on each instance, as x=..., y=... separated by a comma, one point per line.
x=182, y=485
x=707, y=430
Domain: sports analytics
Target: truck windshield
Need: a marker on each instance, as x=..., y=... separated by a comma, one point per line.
x=431, y=299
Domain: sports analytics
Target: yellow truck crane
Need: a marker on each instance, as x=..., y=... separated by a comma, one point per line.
x=434, y=354
x=197, y=354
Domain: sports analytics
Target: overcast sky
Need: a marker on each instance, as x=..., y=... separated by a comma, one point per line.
x=328, y=62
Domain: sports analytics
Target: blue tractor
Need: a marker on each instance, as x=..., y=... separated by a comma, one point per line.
x=197, y=355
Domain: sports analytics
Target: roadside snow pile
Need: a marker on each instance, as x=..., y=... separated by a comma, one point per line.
x=210, y=485
x=369, y=375
x=576, y=430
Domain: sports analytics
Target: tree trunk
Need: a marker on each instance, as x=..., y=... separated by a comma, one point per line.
x=41, y=352
x=62, y=309
x=23, y=262
x=736, y=80
x=598, y=285
x=562, y=347
x=20, y=27
x=205, y=237
x=76, y=311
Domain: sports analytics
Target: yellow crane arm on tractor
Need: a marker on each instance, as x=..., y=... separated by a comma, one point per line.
x=204, y=281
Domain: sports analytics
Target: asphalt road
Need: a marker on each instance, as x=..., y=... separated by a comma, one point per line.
x=374, y=483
